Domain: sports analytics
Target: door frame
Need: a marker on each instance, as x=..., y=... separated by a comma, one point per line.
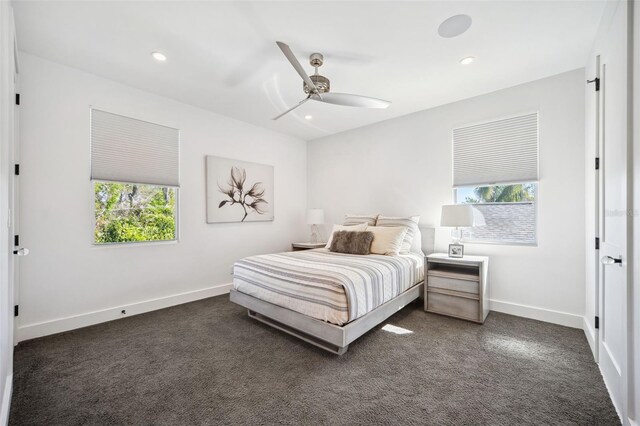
x=594, y=205
x=14, y=189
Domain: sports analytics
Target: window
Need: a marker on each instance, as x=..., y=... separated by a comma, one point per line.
x=134, y=173
x=126, y=212
x=495, y=168
x=509, y=213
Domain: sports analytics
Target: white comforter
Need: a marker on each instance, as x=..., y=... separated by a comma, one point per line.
x=332, y=287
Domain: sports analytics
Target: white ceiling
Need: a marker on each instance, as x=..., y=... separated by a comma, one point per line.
x=222, y=56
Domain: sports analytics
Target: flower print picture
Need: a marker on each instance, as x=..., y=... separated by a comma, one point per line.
x=238, y=191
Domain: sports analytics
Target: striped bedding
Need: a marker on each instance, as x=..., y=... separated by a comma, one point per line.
x=332, y=287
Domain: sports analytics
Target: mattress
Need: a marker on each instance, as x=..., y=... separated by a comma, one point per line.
x=332, y=287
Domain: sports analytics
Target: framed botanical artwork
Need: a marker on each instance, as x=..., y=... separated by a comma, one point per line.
x=238, y=191
x=456, y=250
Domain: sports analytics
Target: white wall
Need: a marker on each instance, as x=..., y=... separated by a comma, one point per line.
x=6, y=159
x=403, y=167
x=66, y=282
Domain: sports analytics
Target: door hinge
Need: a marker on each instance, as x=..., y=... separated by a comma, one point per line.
x=597, y=323
x=597, y=163
x=17, y=98
x=16, y=240
x=597, y=82
x=597, y=243
x=15, y=310
x=16, y=169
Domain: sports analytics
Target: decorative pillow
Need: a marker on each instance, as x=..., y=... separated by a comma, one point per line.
x=352, y=242
x=336, y=228
x=355, y=219
x=410, y=243
x=387, y=239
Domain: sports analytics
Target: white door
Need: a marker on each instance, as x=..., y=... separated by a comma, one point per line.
x=6, y=169
x=615, y=218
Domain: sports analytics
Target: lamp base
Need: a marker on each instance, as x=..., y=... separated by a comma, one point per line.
x=315, y=234
x=456, y=235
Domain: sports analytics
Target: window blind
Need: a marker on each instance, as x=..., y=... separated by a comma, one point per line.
x=124, y=149
x=501, y=151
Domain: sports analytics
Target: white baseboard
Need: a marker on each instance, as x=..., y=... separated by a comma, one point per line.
x=31, y=331
x=590, y=332
x=540, y=314
x=6, y=400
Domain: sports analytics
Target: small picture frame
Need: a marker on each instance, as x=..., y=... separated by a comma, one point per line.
x=456, y=250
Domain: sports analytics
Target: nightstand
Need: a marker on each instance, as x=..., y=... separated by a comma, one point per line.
x=306, y=246
x=457, y=287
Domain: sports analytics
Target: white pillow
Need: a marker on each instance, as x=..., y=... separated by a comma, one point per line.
x=336, y=228
x=412, y=239
x=355, y=219
x=387, y=239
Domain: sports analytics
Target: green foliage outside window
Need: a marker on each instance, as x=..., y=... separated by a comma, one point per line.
x=131, y=212
x=502, y=194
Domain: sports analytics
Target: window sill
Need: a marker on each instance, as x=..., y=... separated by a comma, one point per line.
x=135, y=244
x=501, y=243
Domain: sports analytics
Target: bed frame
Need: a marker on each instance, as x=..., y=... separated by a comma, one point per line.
x=330, y=337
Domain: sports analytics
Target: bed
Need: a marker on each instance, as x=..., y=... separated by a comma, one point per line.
x=328, y=299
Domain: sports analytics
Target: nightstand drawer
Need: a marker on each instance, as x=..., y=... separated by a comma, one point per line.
x=466, y=286
x=460, y=307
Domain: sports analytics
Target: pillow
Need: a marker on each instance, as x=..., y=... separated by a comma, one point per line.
x=355, y=219
x=387, y=239
x=352, y=242
x=336, y=228
x=410, y=242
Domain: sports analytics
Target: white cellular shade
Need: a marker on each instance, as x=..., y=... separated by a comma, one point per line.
x=124, y=149
x=501, y=151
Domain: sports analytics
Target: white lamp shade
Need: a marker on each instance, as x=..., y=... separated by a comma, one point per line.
x=315, y=217
x=461, y=215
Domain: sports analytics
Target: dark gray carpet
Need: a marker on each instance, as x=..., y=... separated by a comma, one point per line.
x=207, y=363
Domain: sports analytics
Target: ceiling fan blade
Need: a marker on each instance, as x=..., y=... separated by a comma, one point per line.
x=293, y=107
x=291, y=57
x=347, y=99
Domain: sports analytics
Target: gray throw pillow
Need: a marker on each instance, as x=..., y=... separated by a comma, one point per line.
x=352, y=242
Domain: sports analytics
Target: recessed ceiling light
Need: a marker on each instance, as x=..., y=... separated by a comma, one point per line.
x=308, y=117
x=160, y=57
x=454, y=26
x=467, y=60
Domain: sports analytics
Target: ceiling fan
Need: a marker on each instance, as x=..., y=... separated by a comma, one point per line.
x=317, y=86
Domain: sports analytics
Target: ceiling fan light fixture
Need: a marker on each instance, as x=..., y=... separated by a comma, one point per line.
x=323, y=85
x=454, y=26
x=159, y=56
x=468, y=60
x=318, y=87
x=308, y=117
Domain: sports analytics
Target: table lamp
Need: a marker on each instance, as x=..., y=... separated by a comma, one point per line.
x=315, y=217
x=460, y=216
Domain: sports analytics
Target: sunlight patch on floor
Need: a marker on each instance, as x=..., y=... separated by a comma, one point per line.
x=396, y=330
x=520, y=348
